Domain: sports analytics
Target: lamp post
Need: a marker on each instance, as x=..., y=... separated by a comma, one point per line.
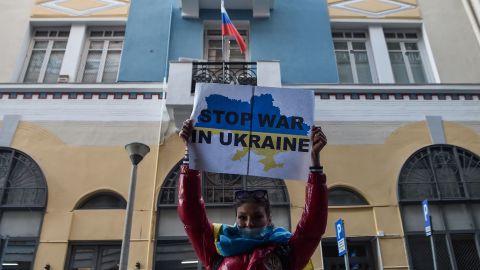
x=136, y=151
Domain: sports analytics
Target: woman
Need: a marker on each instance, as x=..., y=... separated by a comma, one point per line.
x=253, y=243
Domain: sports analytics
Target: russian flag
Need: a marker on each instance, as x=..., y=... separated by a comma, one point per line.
x=228, y=29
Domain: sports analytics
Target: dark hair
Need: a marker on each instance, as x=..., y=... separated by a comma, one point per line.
x=265, y=203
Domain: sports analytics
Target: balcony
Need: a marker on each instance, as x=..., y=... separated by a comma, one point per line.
x=242, y=73
x=260, y=8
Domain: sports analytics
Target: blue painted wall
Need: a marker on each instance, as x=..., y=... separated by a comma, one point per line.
x=296, y=34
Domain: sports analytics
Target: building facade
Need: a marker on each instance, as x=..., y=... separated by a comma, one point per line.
x=397, y=91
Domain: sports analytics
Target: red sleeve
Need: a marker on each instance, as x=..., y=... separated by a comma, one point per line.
x=191, y=210
x=312, y=225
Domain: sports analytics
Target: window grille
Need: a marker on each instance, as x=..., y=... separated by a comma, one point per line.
x=339, y=196
x=22, y=183
x=104, y=200
x=218, y=189
x=102, y=58
x=46, y=56
x=440, y=172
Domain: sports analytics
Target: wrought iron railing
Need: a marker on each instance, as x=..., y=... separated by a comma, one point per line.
x=243, y=73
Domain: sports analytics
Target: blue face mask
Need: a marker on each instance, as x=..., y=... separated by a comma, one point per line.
x=254, y=233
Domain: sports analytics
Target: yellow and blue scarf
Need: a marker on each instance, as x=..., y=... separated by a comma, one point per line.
x=230, y=240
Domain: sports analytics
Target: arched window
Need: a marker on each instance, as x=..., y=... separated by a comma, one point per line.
x=103, y=200
x=340, y=196
x=23, y=198
x=218, y=190
x=22, y=184
x=440, y=172
x=449, y=178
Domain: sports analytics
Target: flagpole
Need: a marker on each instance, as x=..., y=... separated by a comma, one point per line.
x=223, y=46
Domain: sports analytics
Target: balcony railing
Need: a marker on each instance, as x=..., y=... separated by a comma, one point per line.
x=243, y=73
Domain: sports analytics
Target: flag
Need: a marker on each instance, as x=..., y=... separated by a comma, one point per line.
x=228, y=29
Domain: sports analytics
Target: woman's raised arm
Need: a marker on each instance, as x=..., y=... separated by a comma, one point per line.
x=313, y=222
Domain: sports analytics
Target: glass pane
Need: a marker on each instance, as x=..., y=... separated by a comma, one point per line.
x=393, y=46
x=337, y=34
x=40, y=45
x=63, y=34
x=97, y=45
x=414, y=220
x=41, y=33
x=411, y=46
x=340, y=45
x=390, y=35
x=219, y=187
x=458, y=217
x=417, y=67
x=363, y=67
x=104, y=201
x=119, y=33
x=53, y=67
x=33, y=70
x=91, y=66
x=398, y=67
x=359, y=46
x=112, y=62
x=359, y=35
x=345, y=74
x=96, y=34
x=447, y=173
x=20, y=252
x=236, y=56
x=215, y=55
x=214, y=44
x=60, y=45
x=83, y=257
x=110, y=258
x=340, y=196
x=176, y=255
x=115, y=44
x=411, y=35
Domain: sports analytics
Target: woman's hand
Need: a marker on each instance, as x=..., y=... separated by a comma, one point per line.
x=186, y=131
x=319, y=140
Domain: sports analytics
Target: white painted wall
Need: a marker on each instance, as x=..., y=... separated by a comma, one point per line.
x=73, y=52
x=15, y=36
x=452, y=39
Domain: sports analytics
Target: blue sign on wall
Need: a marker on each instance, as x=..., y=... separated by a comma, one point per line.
x=341, y=243
x=426, y=218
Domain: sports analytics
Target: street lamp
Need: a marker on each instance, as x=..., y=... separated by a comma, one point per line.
x=136, y=151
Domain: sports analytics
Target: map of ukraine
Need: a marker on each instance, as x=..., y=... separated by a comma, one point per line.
x=256, y=126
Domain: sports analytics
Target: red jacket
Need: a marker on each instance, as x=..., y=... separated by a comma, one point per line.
x=304, y=241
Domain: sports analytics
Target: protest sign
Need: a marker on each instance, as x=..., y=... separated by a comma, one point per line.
x=251, y=130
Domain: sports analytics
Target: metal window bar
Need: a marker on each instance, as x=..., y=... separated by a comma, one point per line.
x=23, y=197
x=242, y=73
